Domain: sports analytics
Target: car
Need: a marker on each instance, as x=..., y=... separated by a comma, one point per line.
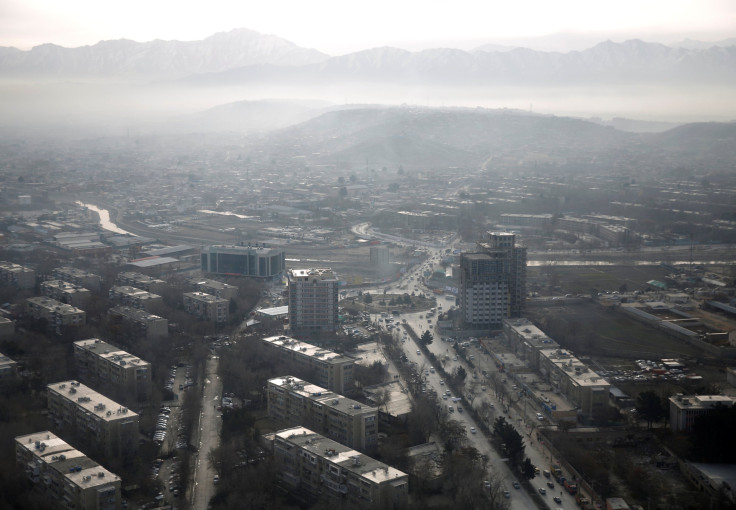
x=557, y=500
x=442, y=383
x=550, y=485
x=516, y=485
x=506, y=494
x=472, y=430
x=543, y=491
x=419, y=352
x=539, y=416
x=216, y=479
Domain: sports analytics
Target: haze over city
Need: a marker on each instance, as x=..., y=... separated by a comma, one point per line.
x=385, y=256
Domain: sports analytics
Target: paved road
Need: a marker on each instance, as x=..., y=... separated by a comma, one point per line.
x=210, y=422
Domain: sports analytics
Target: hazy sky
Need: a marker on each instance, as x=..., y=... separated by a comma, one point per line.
x=342, y=26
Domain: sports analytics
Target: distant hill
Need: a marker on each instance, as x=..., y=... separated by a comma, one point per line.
x=248, y=117
x=440, y=137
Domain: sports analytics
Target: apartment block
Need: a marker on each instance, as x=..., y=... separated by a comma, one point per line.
x=492, y=281
x=134, y=297
x=8, y=370
x=149, y=325
x=101, y=364
x=59, y=315
x=140, y=281
x=14, y=275
x=206, y=306
x=91, y=419
x=572, y=378
x=66, y=292
x=78, y=277
x=331, y=370
x=254, y=261
x=538, y=221
x=684, y=409
x=218, y=289
x=527, y=340
x=317, y=467
x=313, y=298
x=292, y=401
x=65, y=476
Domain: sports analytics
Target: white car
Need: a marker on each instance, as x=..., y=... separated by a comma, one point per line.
x=472, y=430
x=539, y=416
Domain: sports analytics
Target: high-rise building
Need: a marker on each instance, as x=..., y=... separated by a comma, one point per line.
x=67, y=477
x=492, y=281
x=313, y=296
x=258, y=262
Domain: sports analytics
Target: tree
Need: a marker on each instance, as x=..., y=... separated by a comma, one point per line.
x=343, y=192
x=649, y=407
x=367, y=298
x=510, y=441
x=426, y=338
x=527, y=469
x=461, y=373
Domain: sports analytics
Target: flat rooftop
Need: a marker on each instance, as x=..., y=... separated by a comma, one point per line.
x=62, y=457
x=64, y=286
x=111, y=353
x=4, y=360
x=573, y=367
x=215, y=284
x=318, y=394
x=305, y=349
x=94, y=403
x=275, y=311
x=525, y=329
x=135, y=313
x=203, y=296
x=322, y=274
x=363, y=466
x=54, y=305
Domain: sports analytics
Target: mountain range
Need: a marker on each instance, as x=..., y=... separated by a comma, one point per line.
x=244, y=56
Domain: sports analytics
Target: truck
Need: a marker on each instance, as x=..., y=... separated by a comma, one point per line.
x=555, y=470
